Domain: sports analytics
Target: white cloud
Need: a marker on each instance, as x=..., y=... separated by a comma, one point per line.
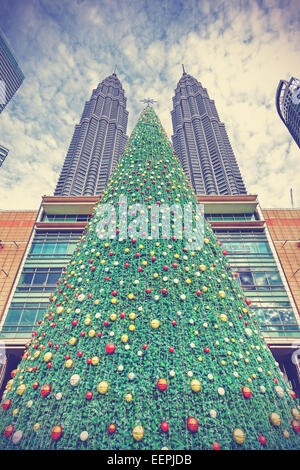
x=238, y=51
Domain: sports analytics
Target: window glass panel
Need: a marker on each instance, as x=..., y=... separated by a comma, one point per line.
x=71, y=248
x=13, y=316
x=36, y=248
x=263, y=247
x=260, y=279
x=39, y=278
x=246, y=278
x=61, y=248
x=274, y=278
x=25, y=279
x=48, y=248
x=28, y=316
x=271, y=316
x=53, y=277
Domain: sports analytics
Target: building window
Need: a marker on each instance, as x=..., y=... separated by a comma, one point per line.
x=22, y=318
x=38, y=279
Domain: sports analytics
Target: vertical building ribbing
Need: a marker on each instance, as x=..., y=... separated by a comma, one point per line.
x=288, y=106
x=201, y=142
x=97, y=142
x=11, y=76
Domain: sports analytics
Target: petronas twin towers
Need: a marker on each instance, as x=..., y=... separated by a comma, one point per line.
x=199, y=139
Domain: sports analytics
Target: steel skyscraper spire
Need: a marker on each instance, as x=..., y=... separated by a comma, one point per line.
x=201, y=141
x=97, y=142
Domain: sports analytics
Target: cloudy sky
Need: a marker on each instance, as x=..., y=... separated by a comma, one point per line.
x=238, y=50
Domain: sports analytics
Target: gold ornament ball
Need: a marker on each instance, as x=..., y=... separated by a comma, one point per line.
x=87, y=321
x=275, y=419
x=103, y=387
x=239, y=435
x=195, y=385
x=223, y=317
x=113, y=316
x=95, y=360
x=155, y=323
x=138, y=433
x=132, y=316
x=286, y=434
x=48, y=356
x=222, y=294
x=59, y=310
x=91, y=333
x=36, y=426
x=124, y=338
x=202, y=267
x=295, y=413
x=21, y=389
x=131, y=327
x=73, y=341
x=128, y=397
x=69, y=363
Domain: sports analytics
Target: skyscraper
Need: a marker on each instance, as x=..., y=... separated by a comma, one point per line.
x=97, y=142
x=11, y=76
x=288, y=106
x=201, y=142
x=3, y=154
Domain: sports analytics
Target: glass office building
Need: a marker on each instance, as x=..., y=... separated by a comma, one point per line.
x=201, y=141
x=3, y=154
x=97, y=142
x=11, y=76
x=288, y=106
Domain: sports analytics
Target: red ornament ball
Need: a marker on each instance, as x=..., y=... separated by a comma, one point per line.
x=110, y=348
x=111, y=428
x=56, y=433
x=89, y=395
x=246, y=392
x=192, y=424
x=45, y=390
x=164, y=426
x=262, y=440
x=35, y=385
x=9, y=430
x=162, y=384
x=6, y=404
x=216, y=446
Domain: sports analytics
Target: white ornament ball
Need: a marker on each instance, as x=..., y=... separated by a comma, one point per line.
x=81, y=297
x=74, y=380
x=279, y=390
x=58, y=396
x=29, y=404
x=263, y=388
x=84, y=436
x=17, y=436
x=221, y=391
x=213, y=413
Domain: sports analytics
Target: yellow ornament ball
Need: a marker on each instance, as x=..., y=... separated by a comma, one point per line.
x=286, y=434
x=48, y=356
x=295, y=413
x=223, y=317
x=202, y=267
x=87, y=321
x=222, y=294
x=130, y=296
x=275, y=419
x=9, y=384
x=91, y=333
x=195, y=385
x=128, y=397
x=59, y=310
x=36, y=426
x=113, y=316
x=103, y=387
x=36, y=354
x=113, y=300
x=238, y=436
x=21, y=389
x=73, y=341
x=124, y=338
x=95, y=360
x=155, y=323
x=138, y=433
x=69, y=363
x=132, y=316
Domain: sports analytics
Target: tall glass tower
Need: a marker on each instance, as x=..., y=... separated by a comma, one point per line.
x=97, y=142
x=11, y=76
x=288, y=106
x=3, y=154
x=201, y=142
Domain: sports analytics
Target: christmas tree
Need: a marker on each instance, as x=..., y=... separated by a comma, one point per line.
x=148, y=341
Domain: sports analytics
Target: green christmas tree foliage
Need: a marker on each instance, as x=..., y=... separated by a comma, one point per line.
x=147, y=344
